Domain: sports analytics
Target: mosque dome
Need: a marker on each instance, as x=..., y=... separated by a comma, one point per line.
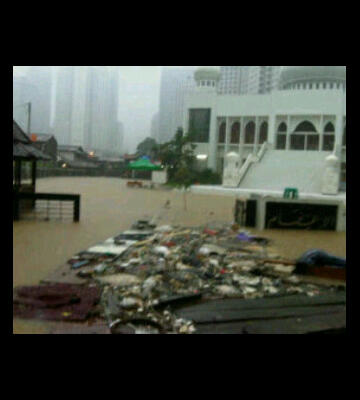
x=331, y=159
x=313, y=77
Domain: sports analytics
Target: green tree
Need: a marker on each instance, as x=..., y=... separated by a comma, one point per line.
x=178, y=154
x=178, y=157
x=148, y=147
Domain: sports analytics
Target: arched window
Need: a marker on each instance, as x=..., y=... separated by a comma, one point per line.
x=329, y=127
x=305, y=137
x=263, y=133
x=305, y=126
x=250, y=133
x=329, y=137
x=281, y=137
x=282, y=127
x=235, y=133
x=344, y=137
x=222, y=132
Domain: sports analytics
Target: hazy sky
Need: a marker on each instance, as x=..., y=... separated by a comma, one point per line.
x=138, y=100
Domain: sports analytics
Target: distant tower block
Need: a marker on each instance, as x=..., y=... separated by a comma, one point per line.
x=231, y=177
x=207, y=78
x=330, y=184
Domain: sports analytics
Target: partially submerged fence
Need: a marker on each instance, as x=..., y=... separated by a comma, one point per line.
x=46, y=206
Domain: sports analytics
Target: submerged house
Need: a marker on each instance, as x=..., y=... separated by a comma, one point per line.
x=25, y=198
x=45, y=143
x=74, y=157
x=24, y=152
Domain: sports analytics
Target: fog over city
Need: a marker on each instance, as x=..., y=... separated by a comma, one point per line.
x=179, y=199
x=138, y=99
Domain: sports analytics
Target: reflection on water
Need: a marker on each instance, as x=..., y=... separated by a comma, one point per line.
x=108, y=207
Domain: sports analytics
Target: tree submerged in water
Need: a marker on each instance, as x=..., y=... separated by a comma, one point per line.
x=179, y=159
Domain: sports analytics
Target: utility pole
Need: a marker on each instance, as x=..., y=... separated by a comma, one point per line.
x=29, y=118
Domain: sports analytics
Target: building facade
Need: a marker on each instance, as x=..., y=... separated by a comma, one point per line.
x=233, y=80
x=86, y=111
x=298, y=125
x=261, y=80
x=65, y=83
x=175, y=83
x=21, y=98
x=40, y=81
x=154, y=130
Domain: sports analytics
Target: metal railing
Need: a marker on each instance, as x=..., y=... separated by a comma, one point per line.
x=252, y=158
x=46, y=206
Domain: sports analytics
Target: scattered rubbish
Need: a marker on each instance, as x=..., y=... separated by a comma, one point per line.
x=164, y=229
x=244, y=237
x=119, y=279
x=164, y=251
x=58, y=301
x=210, y=232
x=79, y=264
x=145, y=274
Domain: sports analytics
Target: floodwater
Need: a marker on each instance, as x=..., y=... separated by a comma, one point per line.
x=109, y=207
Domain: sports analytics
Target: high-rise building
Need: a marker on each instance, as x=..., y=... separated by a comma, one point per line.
x=64, y=104
x=121, y=136
x=154, y=133
x=87, y=108
x=263, y=80
x=40, y=81
x=175, y=82
x=233, y=80
x=79, y=126
x=21, y=98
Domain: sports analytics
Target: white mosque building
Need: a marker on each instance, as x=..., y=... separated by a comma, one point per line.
x=294, y=137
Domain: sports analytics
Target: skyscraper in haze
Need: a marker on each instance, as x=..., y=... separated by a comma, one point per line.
x=64, y=104
x=87, y=107
x=233, y=80
x=103, y=103
x=263, y=79
x=40, y=81
x=154, y=130
x=21, y=98
x=175, y=82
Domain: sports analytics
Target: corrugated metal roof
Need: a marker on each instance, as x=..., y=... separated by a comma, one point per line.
x=42, y=137
x=27, y=151
x=19, y=135
x=70, y=148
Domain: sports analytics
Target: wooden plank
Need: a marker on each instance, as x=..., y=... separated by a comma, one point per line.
x=328, y=272
x=309, y=324
x=204, y=317
x=300, y=300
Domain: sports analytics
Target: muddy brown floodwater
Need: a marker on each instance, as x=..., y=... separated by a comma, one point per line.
x=109, y=207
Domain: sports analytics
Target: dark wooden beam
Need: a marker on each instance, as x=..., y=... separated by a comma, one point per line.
x=33, y=174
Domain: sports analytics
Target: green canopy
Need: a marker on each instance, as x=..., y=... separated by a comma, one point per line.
x=144, y=165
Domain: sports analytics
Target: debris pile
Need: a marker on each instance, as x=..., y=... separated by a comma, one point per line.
x=145, y=274
x=165, y=267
